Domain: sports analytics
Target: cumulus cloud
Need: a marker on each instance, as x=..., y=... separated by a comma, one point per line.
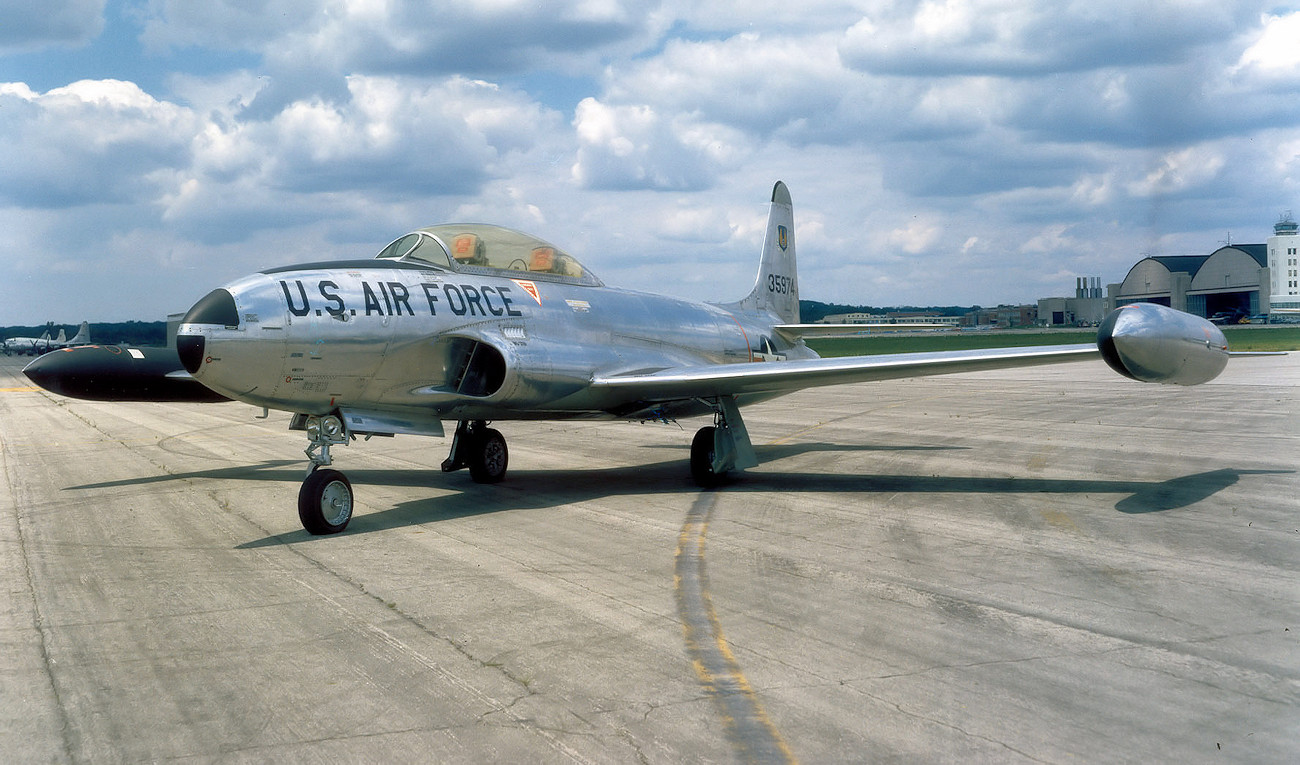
x=92, y=142
x=1179, y=171
x=209, y=171
x=917, y=237
x=389, y=138
x=1276, y=53
x=1007, y=38
x=749, y=81
x=634, y=147
x=473, y=37
x=988, y=136
x=25, y=25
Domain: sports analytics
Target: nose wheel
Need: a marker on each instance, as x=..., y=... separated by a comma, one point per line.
x=325, y=502
x=325, y=497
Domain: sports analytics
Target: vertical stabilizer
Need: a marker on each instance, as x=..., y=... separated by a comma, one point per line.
x=83, y=335
x=777, y=287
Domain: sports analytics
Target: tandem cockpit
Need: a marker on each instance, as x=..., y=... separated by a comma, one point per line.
x=489, y=250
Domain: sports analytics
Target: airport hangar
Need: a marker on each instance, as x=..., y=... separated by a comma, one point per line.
x=1242, y=279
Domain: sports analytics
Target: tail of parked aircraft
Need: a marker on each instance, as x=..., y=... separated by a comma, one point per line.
x=83, y=335
x=777, y=287
x=62, y=338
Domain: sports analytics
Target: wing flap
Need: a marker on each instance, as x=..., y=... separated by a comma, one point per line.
x=785, y=376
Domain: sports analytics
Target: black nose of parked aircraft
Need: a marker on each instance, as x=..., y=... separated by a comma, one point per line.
x=114, y=373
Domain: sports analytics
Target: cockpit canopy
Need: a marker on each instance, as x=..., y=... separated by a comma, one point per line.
x=477, y=248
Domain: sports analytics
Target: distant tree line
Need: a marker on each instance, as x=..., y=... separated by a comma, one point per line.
x=102, y=333
x=811, y=310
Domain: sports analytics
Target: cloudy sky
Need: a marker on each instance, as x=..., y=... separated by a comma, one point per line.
x=938, y=152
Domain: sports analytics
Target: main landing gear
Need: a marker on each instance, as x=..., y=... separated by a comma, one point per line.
x=479, y=448
x=722, y=447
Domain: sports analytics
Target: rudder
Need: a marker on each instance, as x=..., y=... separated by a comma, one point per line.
x=777, y=287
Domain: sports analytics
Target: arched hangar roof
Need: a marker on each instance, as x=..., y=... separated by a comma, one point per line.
x=1234, y=266
x=1153, y=275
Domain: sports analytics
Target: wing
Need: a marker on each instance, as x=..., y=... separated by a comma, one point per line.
x=785, y=376
x=793, y=332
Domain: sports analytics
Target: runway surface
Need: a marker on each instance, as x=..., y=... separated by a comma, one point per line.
x=1042, y=565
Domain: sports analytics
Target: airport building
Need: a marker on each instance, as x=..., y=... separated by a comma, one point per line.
x=1086, y=308
x=1284, y=264
x=1233, y=282
x=1002, y=317
x=893, y=317
x=1233, y=279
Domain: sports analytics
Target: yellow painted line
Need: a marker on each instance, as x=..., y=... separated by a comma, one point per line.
x=26, y=389
x=750, y=730
x=1060, y=520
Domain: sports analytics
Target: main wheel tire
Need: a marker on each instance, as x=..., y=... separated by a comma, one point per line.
x=325, y=502
x=702, y=451
x=488, y=457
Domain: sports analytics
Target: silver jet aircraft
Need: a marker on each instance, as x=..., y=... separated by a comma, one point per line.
x=473, y=323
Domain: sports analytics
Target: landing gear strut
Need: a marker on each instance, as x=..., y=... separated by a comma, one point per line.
x=723, y=447
x=479, y=448
x=325, y=498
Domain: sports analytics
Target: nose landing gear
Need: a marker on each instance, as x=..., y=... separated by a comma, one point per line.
x=325, y=502
x=325, y=497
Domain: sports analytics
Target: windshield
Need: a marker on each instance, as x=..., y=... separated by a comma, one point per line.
x=479, y=248
x=418, y=245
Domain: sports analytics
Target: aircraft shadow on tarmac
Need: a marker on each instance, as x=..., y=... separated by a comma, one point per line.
x=533, y=489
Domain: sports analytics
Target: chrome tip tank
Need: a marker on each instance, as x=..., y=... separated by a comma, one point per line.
x=1153, y=343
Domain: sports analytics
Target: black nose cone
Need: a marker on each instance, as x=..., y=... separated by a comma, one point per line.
x=217, y=307
x=190, y=350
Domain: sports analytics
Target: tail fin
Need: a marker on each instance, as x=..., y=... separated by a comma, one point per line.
x=63, y=336
x=777, y=287
x=83, y=335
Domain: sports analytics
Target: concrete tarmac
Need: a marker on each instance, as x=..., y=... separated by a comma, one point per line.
x=1039, y=565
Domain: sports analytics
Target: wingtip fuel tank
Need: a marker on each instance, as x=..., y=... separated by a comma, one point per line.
x=114, y=373
x=1153, y=343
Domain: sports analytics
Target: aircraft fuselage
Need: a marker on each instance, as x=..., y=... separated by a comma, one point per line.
x=383, y=336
